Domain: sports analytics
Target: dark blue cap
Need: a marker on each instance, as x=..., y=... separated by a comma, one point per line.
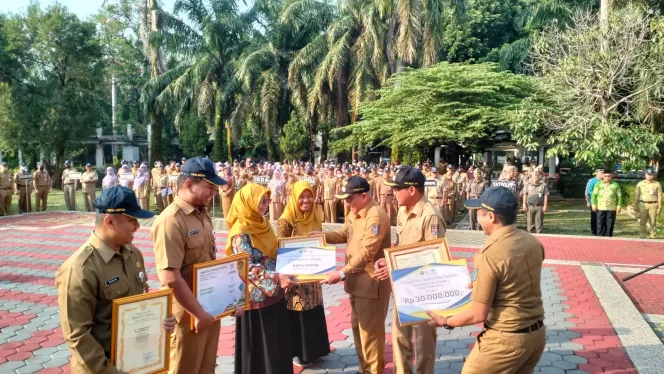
x=120, y=200
x=88, y=165
x=202, y=168
x=496, y=199
x=406, y=177
x=650, y=171
x=355, y=185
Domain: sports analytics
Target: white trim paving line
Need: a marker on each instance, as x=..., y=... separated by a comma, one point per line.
x=643, y=347
x=654, y=318
x=625, y=269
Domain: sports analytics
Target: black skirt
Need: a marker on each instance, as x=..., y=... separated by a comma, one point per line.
x=309, y=334
x=262, y=341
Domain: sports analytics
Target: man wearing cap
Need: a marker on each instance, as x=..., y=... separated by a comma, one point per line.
x=449, y=195
x=590, y=186
x=475, y=189
x=386, y=196
x=366, y=232
x=23, y=188
x=506, y=292
x=434, y=192
x=648, y=202
x=69, y=186
x=89, y=186
x=134, y=168
x=365, y=174
x=105, y=268
x=535, y=202
x=183, y=235
x=418, y=220
x=347, y=175
x=607, y=202
x=6, y=189
x=155, y=176
x=42, y=184
x=461, y=180
x=377, y=181
x=330, y=188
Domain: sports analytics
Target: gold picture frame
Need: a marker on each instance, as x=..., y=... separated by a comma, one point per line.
x=307, y=241
x=129, y=308
x=242, y=265
x=418, y=254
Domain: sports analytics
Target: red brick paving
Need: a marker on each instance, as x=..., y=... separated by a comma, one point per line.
x=645, y=290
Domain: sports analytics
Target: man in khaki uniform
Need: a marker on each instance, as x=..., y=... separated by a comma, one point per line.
x=23, y=189
x=435, y=192
x=227, y=191
x=506, y=292
x=6, y=189
x=461, y=180
x=648, y=203
x=418, y=220
x=330, y=188
x=475, y=189
x=366, y=232
x=386, y=196
x=347, y=175
x=89, y=187
x=535, y=202
x=134, y=168
x=42, y=184
x=69, y=186
x=449, y=195
x=183, y=235
x=105, y=268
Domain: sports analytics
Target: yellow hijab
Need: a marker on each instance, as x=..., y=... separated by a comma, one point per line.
x=304, y=222
x=243, y=218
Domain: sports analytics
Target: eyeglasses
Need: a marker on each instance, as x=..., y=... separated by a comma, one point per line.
x=350, y=199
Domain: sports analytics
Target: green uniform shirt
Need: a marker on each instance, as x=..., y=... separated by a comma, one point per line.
x=607, y=196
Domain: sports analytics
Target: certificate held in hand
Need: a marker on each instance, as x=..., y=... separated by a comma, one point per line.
x=307, y=258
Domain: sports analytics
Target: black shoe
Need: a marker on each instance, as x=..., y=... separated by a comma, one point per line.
x=300, y=363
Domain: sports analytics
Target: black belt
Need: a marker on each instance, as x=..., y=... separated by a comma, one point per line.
x=534, y=327
x=68, y=184
x=647, y=202
x=42, y=186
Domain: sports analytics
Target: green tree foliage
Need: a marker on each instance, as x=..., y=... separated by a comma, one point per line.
x=193, y=135
x=295, y=141
x=604, y=84
x=447, y=103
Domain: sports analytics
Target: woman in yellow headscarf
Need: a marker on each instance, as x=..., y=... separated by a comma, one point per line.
x=306, y=313
x=262, y=336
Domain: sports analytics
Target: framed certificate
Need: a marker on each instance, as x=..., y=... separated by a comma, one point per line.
x=220, y=286
x=302, y=241
x=418, y=254
x=139, y=342
x=440, y=288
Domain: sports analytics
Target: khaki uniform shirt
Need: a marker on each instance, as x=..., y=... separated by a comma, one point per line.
x=41, y=178
x=330, y=187
x=182, y=236
x=476, y=188
x=647, y=192
x=535, y=193
x=366, y=234
x=65, y=176
x=449, y=188
x=155, y=173
x=509, y=269
x=422, y=223
x=22, y=184
x=437, y=191
x=89, y=181
x=6, y=180
x=87, y=284
x=134, y=171
x=461, y=180
x=385, y=193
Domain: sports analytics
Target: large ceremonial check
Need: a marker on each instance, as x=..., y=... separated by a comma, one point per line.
x=220, y=286
x=307, y=258
x=139, y=342
x=440, y=288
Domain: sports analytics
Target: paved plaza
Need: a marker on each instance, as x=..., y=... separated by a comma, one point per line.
x=595, y=323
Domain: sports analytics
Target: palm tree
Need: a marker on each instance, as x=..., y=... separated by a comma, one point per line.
x=205, y=80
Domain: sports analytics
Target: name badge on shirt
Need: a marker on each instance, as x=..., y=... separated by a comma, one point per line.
x=652, y=192
x=111, y=281
x=192, y=232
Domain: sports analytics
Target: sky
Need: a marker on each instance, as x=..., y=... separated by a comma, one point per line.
x=83, y=8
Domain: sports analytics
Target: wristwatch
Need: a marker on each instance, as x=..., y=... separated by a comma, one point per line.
x=446, y=326
x=342, y=275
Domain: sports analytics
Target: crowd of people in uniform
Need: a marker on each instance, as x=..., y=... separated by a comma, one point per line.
x=285, y=322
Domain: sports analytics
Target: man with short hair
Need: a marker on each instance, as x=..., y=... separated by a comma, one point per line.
x=535, y=202
x=648, y=203
x=506, y=296
x=418, y=220
x=105, y=268
x=590, y=186
x=607, y=202
x=330, y=188
x=366, y=232
x=183, y=236
x=476, y=187
x=42, y=184
x=69, y=186
x=6, y=189
x=386, y=195
x=89, y=187
x=23, y=189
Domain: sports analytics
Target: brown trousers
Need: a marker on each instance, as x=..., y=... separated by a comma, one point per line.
x=425, y=347
x=226, y=203
x=24, y=200
x=330, y=209
x=41, y=199
x=387, y=203
x=449, y=209
x=5, y=201
x=534, y=218
x=275, y=211
x=191, y=352
x=89, y=200
x=498, y=352
x=367, y=320
x=145, y=203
